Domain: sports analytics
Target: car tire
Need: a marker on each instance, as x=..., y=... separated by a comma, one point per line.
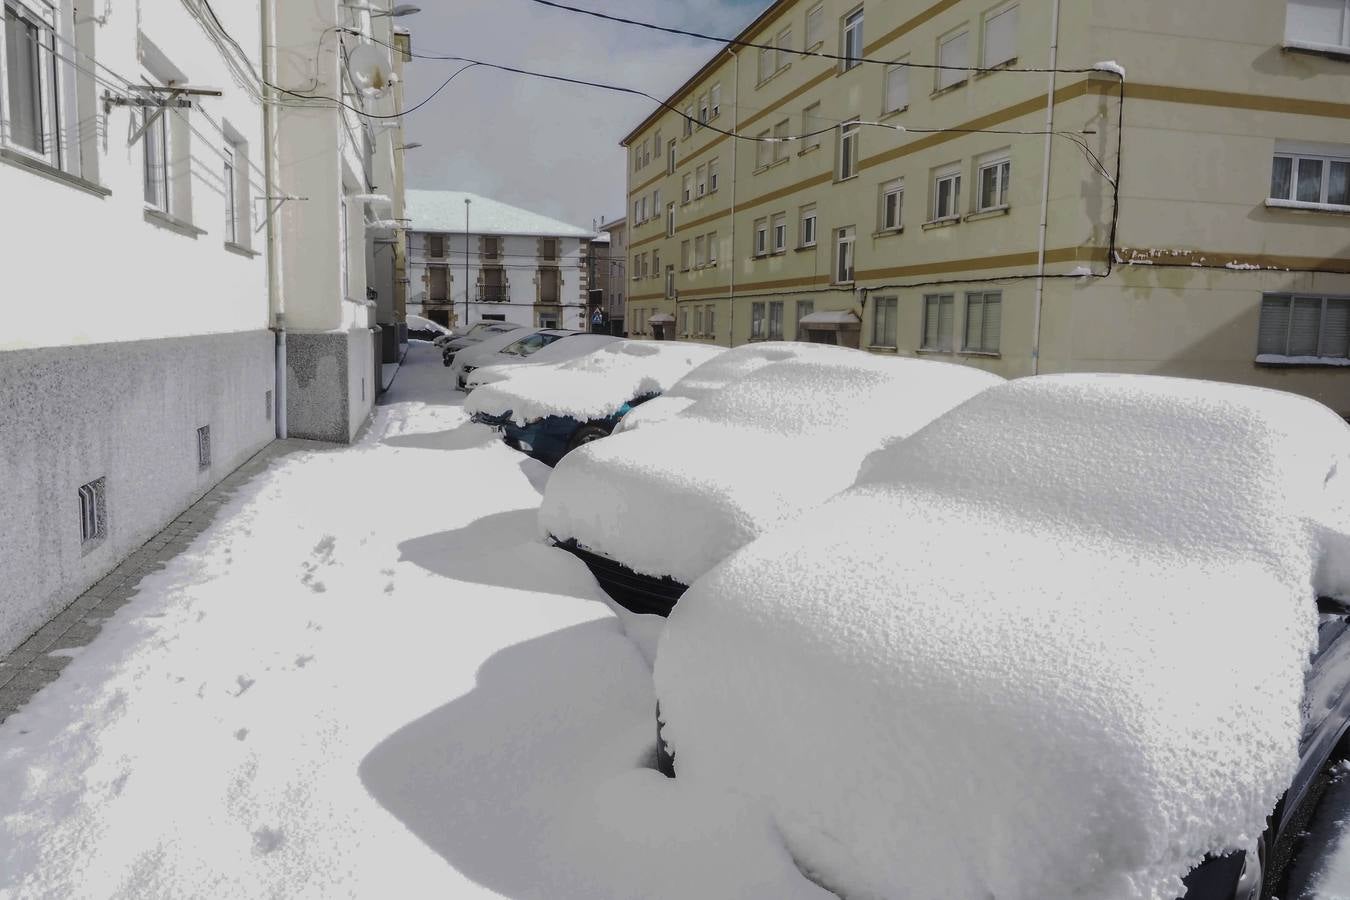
x=585, y=434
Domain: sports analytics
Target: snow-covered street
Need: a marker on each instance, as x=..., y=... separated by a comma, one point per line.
x=392, y=689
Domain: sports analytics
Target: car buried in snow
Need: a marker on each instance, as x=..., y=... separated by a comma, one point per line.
x=1067, y=628
x=547, y=411
x=490, y=331
x=535, y=348
x=656, y=506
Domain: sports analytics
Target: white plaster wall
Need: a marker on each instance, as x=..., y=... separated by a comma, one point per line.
x=82, y=268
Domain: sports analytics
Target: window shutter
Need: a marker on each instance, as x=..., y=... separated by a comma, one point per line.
x=1000, y=37
x=993, y=323
x=945, y=322
x=897, y=88
x=1336, y=329
x=930, y=322
x=1303, y=330
x=1274, y=331
x=955, y=52
x=975, y=322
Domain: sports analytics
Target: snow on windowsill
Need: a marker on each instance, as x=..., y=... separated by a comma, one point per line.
x=1333, y=208
x=941, y=223
x=990, y=213
x=1275, y=359
x=1111, y=66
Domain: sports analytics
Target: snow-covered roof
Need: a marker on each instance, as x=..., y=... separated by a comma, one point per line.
x=443, y=211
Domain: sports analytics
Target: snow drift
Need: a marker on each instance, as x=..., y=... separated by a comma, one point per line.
x=1064, y=629
x=675, y=497
x=503, y=366
x=594, y=386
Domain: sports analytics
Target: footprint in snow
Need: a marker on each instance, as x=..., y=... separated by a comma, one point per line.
x=302, y=661
x=267, y=840
x=241, y=734
x=244, y=683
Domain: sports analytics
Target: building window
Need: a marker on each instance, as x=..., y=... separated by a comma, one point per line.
x=656, y=200
x=761, y=237
x=492, y=248
x=687, y=184
x=701, y=181
x=763, y=150
x=1321, y=23
x=712, y=176
x=709, y=322
x=31, y=105
x=670, y=158
x=780, y=137
x=804, y=309
x=780, y=233
x=897, y=89
x=684, y=256
x=689, y=120
x=1000, y=37
x=670, y=220
x=1309, y=178
x=812, y=127
x=1303, y=326
x=765, y=64
x=784, y=44
x=548, y=248
x=698, y=320
x=807, y=227
x=637, y=210
x=892, y=202
x=937, y=322
x=231, y=191
x=994, y=184
x=756, y=321
x=716, y=100
x=703, y=110
x=656, y=263
x=851, y=40
x=700, y=255
x=984, y=321
x=550, y=287
x=947, y=193
x=155, y=144
x=644, y=208
x=883, y=322
x=435, y=246
x=775, y=320
x=953, y=59
x=647, y=152
x=848, y=149
x=670, y=282
x=843, y=255
x=344, y=250
x=712, y=249
x=815, y=26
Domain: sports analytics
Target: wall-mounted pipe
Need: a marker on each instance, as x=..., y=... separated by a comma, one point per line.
x=1045, y=191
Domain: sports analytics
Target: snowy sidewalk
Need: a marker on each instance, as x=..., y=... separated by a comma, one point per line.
x=366, y=677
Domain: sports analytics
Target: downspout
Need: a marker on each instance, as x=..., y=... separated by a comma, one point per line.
x=271, y=176
x=1045, y=191
x=735, y=156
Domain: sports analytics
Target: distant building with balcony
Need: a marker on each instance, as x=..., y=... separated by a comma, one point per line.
x=519, y=266
x=611, y=273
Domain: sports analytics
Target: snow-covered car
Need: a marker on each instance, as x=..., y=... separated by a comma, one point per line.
x=422, y=329
x=455, y=333
x=550, y=410
x=549, y=345
x=716, y=374
x=490, y=332
x=1064, y=632
x=655, y=507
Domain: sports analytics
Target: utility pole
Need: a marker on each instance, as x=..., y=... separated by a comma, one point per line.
x=467, y=202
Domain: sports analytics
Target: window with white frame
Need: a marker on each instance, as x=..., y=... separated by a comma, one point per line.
x=947, y=192
x=756, y=321
x=761, y=237
x=806, y=227
x=781, y=146
x=670, y=158
x=344, y=250
x=763, y=149
x=647, y=152
x=815, y=26
x=775, y=329
x=896, y=94
x=766, y=63
x=994, y=174
x=784, y=44
x=670, y=220
x=670, y=282
x=984, y=321
x=1000, y=37
x=685, y=256
x=883, y=322
x=643, y=217
x=1304, y=327
x=804, y=309
x=709, y=322
x=656, y=199
x=687, y=187
x=848, y=150
x=703, y=109
x=637, y=208
x=712, y=248
x=843, y=255
x=689, y=120
x=780, y=233
x=812, y=126
x=701, y=181
x=1311, y=174
x=657, y=144
x=155, y=160
x=938, y=321
x=656, y=263
x=700, y=252
x=953, y=59
x=715, y=100
x=851, y=39
x=230, y=190
x=684, y=322
x=637, y=266
x=712, y=175
x=32, y=100
x=698, y=320
x=1319, y=23
x=892, y=204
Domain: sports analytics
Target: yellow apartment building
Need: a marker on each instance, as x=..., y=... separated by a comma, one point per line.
x=962, y=180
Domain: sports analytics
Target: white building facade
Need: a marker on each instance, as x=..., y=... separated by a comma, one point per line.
x=519, y=266
x=136, y=360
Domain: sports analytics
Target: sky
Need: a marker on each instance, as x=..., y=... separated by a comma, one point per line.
x=545, y=146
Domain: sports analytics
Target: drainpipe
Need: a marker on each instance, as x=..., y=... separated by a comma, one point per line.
x=735, y=148
x=1045, y=190
x=271, y=176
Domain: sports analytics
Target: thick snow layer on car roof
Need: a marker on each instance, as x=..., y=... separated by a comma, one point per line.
x=716, y=374
x=675, y=497
x=1063, y=629
x=502, y=367
x=594, y=386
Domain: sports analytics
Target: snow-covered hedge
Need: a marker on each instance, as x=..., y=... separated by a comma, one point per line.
x=676, y=496
x=1052, y=645
x=594, y=386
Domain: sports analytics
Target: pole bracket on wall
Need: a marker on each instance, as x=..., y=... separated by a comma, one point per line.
x=157, y=98
x=277, y=203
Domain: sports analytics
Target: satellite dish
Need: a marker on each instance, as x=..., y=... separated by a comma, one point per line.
x=370, y=70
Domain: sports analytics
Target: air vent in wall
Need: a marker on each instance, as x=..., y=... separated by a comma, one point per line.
x=204, y=447
x=93, y=512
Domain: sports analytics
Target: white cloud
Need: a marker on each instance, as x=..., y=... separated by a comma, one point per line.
x=548, y=146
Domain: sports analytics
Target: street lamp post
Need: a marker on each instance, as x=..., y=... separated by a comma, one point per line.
x=467, y=202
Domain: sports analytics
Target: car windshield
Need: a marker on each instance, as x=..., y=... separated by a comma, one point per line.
x=532, y=344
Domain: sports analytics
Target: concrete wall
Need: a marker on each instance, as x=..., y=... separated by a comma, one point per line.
x=127, y=412
x=330, y=383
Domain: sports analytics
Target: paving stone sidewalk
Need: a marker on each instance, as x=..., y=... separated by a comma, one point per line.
x=32, y=665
